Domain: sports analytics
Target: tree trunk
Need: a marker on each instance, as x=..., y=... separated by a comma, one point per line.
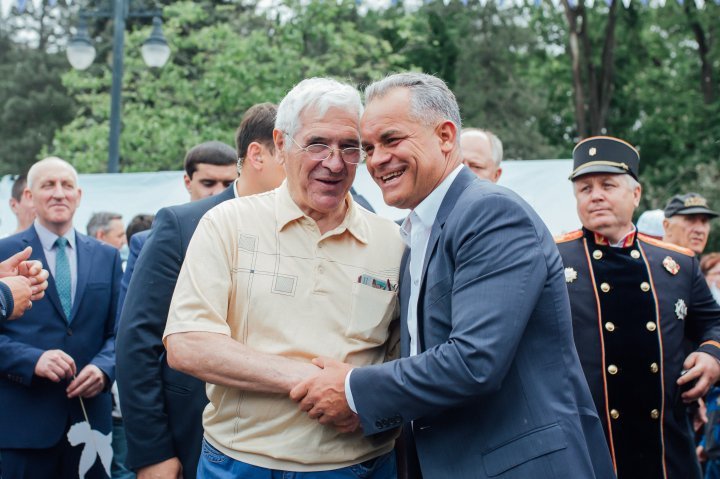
x=574, y=34
x=706, y=73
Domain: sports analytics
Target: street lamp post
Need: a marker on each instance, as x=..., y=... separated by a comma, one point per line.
x=81, y=53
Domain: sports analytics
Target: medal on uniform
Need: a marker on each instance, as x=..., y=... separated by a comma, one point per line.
x=570, y=275
x=671, y=266
x=681, y=309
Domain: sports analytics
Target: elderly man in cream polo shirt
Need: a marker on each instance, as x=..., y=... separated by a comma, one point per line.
x=274, y=280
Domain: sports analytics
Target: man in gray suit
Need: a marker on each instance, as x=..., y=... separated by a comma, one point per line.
x=489, y=376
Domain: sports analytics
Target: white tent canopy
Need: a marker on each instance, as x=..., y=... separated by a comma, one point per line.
x=542, y=183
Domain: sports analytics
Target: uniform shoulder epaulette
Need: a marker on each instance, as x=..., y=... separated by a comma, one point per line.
x=573, y=235
x=663, y=244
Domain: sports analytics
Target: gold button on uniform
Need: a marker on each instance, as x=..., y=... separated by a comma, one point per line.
x=597, y=254
x=605, y=287
x=645, y=286
x=651, y=326
x=654, y=414
x=635, y=253
x=614, y=413
x=654, y=368
x=612, y=369
x=610, y=326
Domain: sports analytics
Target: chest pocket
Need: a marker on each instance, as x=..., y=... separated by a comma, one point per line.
x=370, y=314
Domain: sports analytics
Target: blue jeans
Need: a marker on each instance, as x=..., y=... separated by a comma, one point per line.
x=712, y=469
x=216, y=465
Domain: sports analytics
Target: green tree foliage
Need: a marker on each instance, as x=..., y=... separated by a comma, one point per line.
x=217, y=71
x=33, y=103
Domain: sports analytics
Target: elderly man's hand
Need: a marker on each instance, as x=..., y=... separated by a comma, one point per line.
x=323, y=396
x=701, y=367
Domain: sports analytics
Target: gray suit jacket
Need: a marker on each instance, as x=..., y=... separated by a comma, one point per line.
x=497, y=389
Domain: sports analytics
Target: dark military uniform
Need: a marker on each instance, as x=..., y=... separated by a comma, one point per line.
x=632, y=308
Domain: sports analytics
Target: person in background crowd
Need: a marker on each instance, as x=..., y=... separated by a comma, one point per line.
x=482, y=152
x=650, y=223
x=58, y=362
x=209, y=169
x=489, y=384
x=20, y=205
x=687, y=221
x=107, y=228
x=710, y=266
x=634, y=301
x=138, y=224
x=273, y=280
x=162, y=408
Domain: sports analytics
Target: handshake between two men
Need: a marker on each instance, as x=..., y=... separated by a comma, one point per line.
x=323, y=396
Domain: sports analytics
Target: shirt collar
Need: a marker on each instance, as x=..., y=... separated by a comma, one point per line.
x=287, y=211
x=624, y=242
x=47, y=237
x=427, y=210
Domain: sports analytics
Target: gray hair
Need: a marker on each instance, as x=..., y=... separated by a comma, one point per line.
x=496, y=146
x=35, y=169
x=101, y=222
x=320, y=94
x=431, y=101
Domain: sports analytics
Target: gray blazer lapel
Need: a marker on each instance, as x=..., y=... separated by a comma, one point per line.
x=464, y=179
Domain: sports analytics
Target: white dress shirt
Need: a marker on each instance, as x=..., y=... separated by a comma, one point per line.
x=415, y=231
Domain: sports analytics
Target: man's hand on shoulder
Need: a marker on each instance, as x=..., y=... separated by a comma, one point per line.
x=55, y=365
x=168, y=469
x=88, y=383
x=702, y=368
x=323, y=396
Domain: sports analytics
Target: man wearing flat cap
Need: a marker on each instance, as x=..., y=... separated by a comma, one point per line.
x=634, y=300
x=687, y=221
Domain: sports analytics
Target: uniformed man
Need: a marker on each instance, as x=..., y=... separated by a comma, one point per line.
x=634, y=299
x=687, y=221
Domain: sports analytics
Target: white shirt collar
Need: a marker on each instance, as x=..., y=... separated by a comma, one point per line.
x=47, y=237
x=426, y=211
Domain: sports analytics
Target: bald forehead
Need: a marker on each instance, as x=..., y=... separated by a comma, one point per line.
x=46, y=165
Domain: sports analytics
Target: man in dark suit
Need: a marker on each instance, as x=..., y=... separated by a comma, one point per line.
x=56, y=365
x=162, y=408
x=489, y=376
x=635, y=300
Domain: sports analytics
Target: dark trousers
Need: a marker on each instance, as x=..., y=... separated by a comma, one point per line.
x=58, y=462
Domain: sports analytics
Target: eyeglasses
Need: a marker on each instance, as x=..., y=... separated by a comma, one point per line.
x=320, y=152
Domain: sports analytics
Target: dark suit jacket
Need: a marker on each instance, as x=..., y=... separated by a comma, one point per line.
x=35, y=411
x=497, y=390
x=162, y=408
x=136, y=245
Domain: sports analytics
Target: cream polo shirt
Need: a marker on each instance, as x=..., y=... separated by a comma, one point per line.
x=257, y=269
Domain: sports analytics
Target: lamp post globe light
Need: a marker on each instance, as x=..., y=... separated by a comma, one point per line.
x=81, y=53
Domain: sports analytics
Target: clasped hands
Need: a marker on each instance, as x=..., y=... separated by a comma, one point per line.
x=26, y=278
x=322, y=396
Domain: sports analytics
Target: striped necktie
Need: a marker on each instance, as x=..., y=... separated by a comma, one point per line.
x=63, y=282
